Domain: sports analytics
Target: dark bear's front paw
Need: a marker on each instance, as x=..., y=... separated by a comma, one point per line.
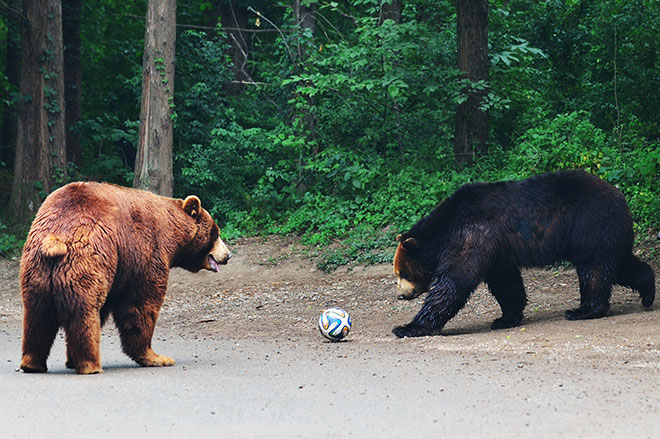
x=586, y=312
x=506, y=322
x=647, y=299
x=411, y=330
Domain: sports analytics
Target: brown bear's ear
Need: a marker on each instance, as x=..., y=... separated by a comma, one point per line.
x=410, y=244
x=192, y=205
x=398, y=237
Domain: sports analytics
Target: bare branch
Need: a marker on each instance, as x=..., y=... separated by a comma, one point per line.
x=200, y=27
x=13, y=12
x=288, y=49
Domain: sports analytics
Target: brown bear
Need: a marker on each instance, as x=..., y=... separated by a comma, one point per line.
x=488, y=231
x=96, y=249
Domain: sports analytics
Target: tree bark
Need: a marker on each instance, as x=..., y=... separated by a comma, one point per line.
x=392, y=11
x=40, y=164
x=12, y=59
x=71, y=10
x=304, y=16
x=153, y=163
x=305, y=19
x=471, y=135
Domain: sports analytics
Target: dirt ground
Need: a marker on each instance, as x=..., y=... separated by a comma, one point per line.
x=270, y=295
x=270, y=289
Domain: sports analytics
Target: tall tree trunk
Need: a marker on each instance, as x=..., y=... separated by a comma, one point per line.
x=40, y=163
x=305, y=19
x=471, y=135
x=392, y=11
x=12, y=59
x=72, y=77
x=153, y=163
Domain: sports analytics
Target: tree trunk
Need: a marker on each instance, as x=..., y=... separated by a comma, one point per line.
x=72, y=77
x=153, y=163
x=304, y=16
x=392, y=11
x=8, y=133
x=305, y=19
x=471, y=135
x=40, y=164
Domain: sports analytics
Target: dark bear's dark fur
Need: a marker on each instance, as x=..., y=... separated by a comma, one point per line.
x=488, y=231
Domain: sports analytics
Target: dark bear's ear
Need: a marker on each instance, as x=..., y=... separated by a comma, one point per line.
x=192, y=205
x=409, y=244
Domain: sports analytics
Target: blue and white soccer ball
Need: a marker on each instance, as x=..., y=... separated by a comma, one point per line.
x=334, y=324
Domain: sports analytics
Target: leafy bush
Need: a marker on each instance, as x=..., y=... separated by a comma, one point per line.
x=9, y=243
x=569, y=141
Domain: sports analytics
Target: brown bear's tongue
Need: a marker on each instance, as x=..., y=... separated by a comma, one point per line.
x=214, y=264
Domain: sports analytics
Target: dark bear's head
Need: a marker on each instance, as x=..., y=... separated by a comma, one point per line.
x=413, y=278
x=206, y=249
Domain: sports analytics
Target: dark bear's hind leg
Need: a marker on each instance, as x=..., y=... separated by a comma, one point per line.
x=639, y=276
x=595, y=292
x=444, y=301
x=506, y=285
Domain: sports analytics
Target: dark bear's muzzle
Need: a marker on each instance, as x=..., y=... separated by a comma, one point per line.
x=407, y=290
x=409, y=295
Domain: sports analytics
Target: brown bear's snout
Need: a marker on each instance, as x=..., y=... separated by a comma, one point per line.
x=219, y=255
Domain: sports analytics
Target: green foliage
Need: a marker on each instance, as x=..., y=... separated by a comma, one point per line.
x=570, y=141
x=344, y=134
x=9, y=244
x=108, y=149
x=383, y=96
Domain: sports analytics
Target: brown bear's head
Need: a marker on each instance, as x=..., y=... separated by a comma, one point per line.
x=413, y=278
x=206, y=249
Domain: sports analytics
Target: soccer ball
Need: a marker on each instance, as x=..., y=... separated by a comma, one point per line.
x=334, y=324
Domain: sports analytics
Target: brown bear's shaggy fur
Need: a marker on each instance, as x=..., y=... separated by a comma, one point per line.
x=95, y=249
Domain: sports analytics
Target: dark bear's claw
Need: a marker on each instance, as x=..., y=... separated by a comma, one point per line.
x=411, y=330
x=585, y=313
x=506, y=322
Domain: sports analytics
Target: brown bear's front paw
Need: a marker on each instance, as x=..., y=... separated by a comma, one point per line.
x=151, y=359
x=411, y=330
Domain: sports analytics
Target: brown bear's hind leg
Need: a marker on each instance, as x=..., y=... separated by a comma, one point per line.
x=70, y=354
x=136, y=328
x=40, y=326
x=83, y=343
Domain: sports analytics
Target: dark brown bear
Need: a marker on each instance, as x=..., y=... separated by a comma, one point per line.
x=96, y=249
x=488, y=231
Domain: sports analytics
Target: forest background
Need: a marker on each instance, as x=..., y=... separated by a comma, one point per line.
x=337, y=120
